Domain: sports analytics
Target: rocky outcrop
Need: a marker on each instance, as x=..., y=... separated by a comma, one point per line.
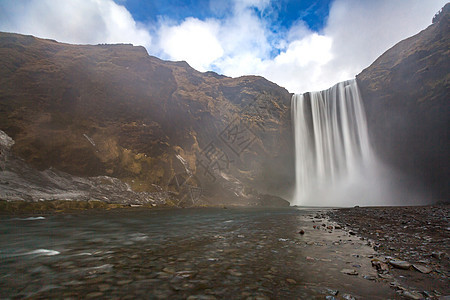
x=20, y=182
x=113, y=110
x=406, y=95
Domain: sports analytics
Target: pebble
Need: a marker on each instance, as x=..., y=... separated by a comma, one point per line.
x=370, y=277
x=412, y=295
x=349, y=271
x=332, y=292
x=186, y=274
x=385, y=276
x=400, y=264
x=291, y=281
x=124, y=282
x=301, y=232
x=422, y=269
x=168, y=271
x=379, y=265
x=234, y=272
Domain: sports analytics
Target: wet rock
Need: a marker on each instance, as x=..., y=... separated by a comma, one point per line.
x=332, y=292
x=422, y=268
x=385, y=276
x=291, y=281
x=370, y=277
x=400, y=264
x=186, y=274
x=349, y=271
x=412, y=295
x=379, y=265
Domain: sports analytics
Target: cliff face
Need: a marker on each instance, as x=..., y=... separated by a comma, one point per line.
x=406, y=95
x=114, y=110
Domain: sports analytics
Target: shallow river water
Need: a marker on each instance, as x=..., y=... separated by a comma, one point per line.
x=184, y=254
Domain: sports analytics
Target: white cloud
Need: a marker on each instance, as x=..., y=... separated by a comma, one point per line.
x=357, y=32
x=241, y=43
x=193, y=40
x=73, y=21
x=233, y=46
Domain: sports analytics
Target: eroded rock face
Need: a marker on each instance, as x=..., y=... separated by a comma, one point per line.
x=406, y=96
x=20, y=182
x=113, y=110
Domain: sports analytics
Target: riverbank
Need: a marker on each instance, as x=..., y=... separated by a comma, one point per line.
x=62, y=206
x=412, y=245
x=71, y=206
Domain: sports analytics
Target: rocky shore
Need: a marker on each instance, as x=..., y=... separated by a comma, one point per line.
x=412, y=246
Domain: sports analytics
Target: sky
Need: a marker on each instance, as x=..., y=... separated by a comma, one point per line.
x=302, y=45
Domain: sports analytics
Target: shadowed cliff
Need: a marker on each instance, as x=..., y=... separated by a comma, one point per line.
x=406, y=94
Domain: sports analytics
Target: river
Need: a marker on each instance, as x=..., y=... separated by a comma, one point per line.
x=202, y=253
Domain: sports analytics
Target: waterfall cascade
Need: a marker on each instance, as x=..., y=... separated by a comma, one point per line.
x=334, y=160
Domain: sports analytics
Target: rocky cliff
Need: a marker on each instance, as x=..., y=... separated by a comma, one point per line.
x=113, y=110
x=406, y=93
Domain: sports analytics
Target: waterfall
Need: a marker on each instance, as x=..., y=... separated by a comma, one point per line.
x=334, y=163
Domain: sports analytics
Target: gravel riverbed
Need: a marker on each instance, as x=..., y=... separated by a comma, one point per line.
x=412, y=246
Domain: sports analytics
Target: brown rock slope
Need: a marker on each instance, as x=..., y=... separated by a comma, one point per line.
x=406, y=93
x=114, y=110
